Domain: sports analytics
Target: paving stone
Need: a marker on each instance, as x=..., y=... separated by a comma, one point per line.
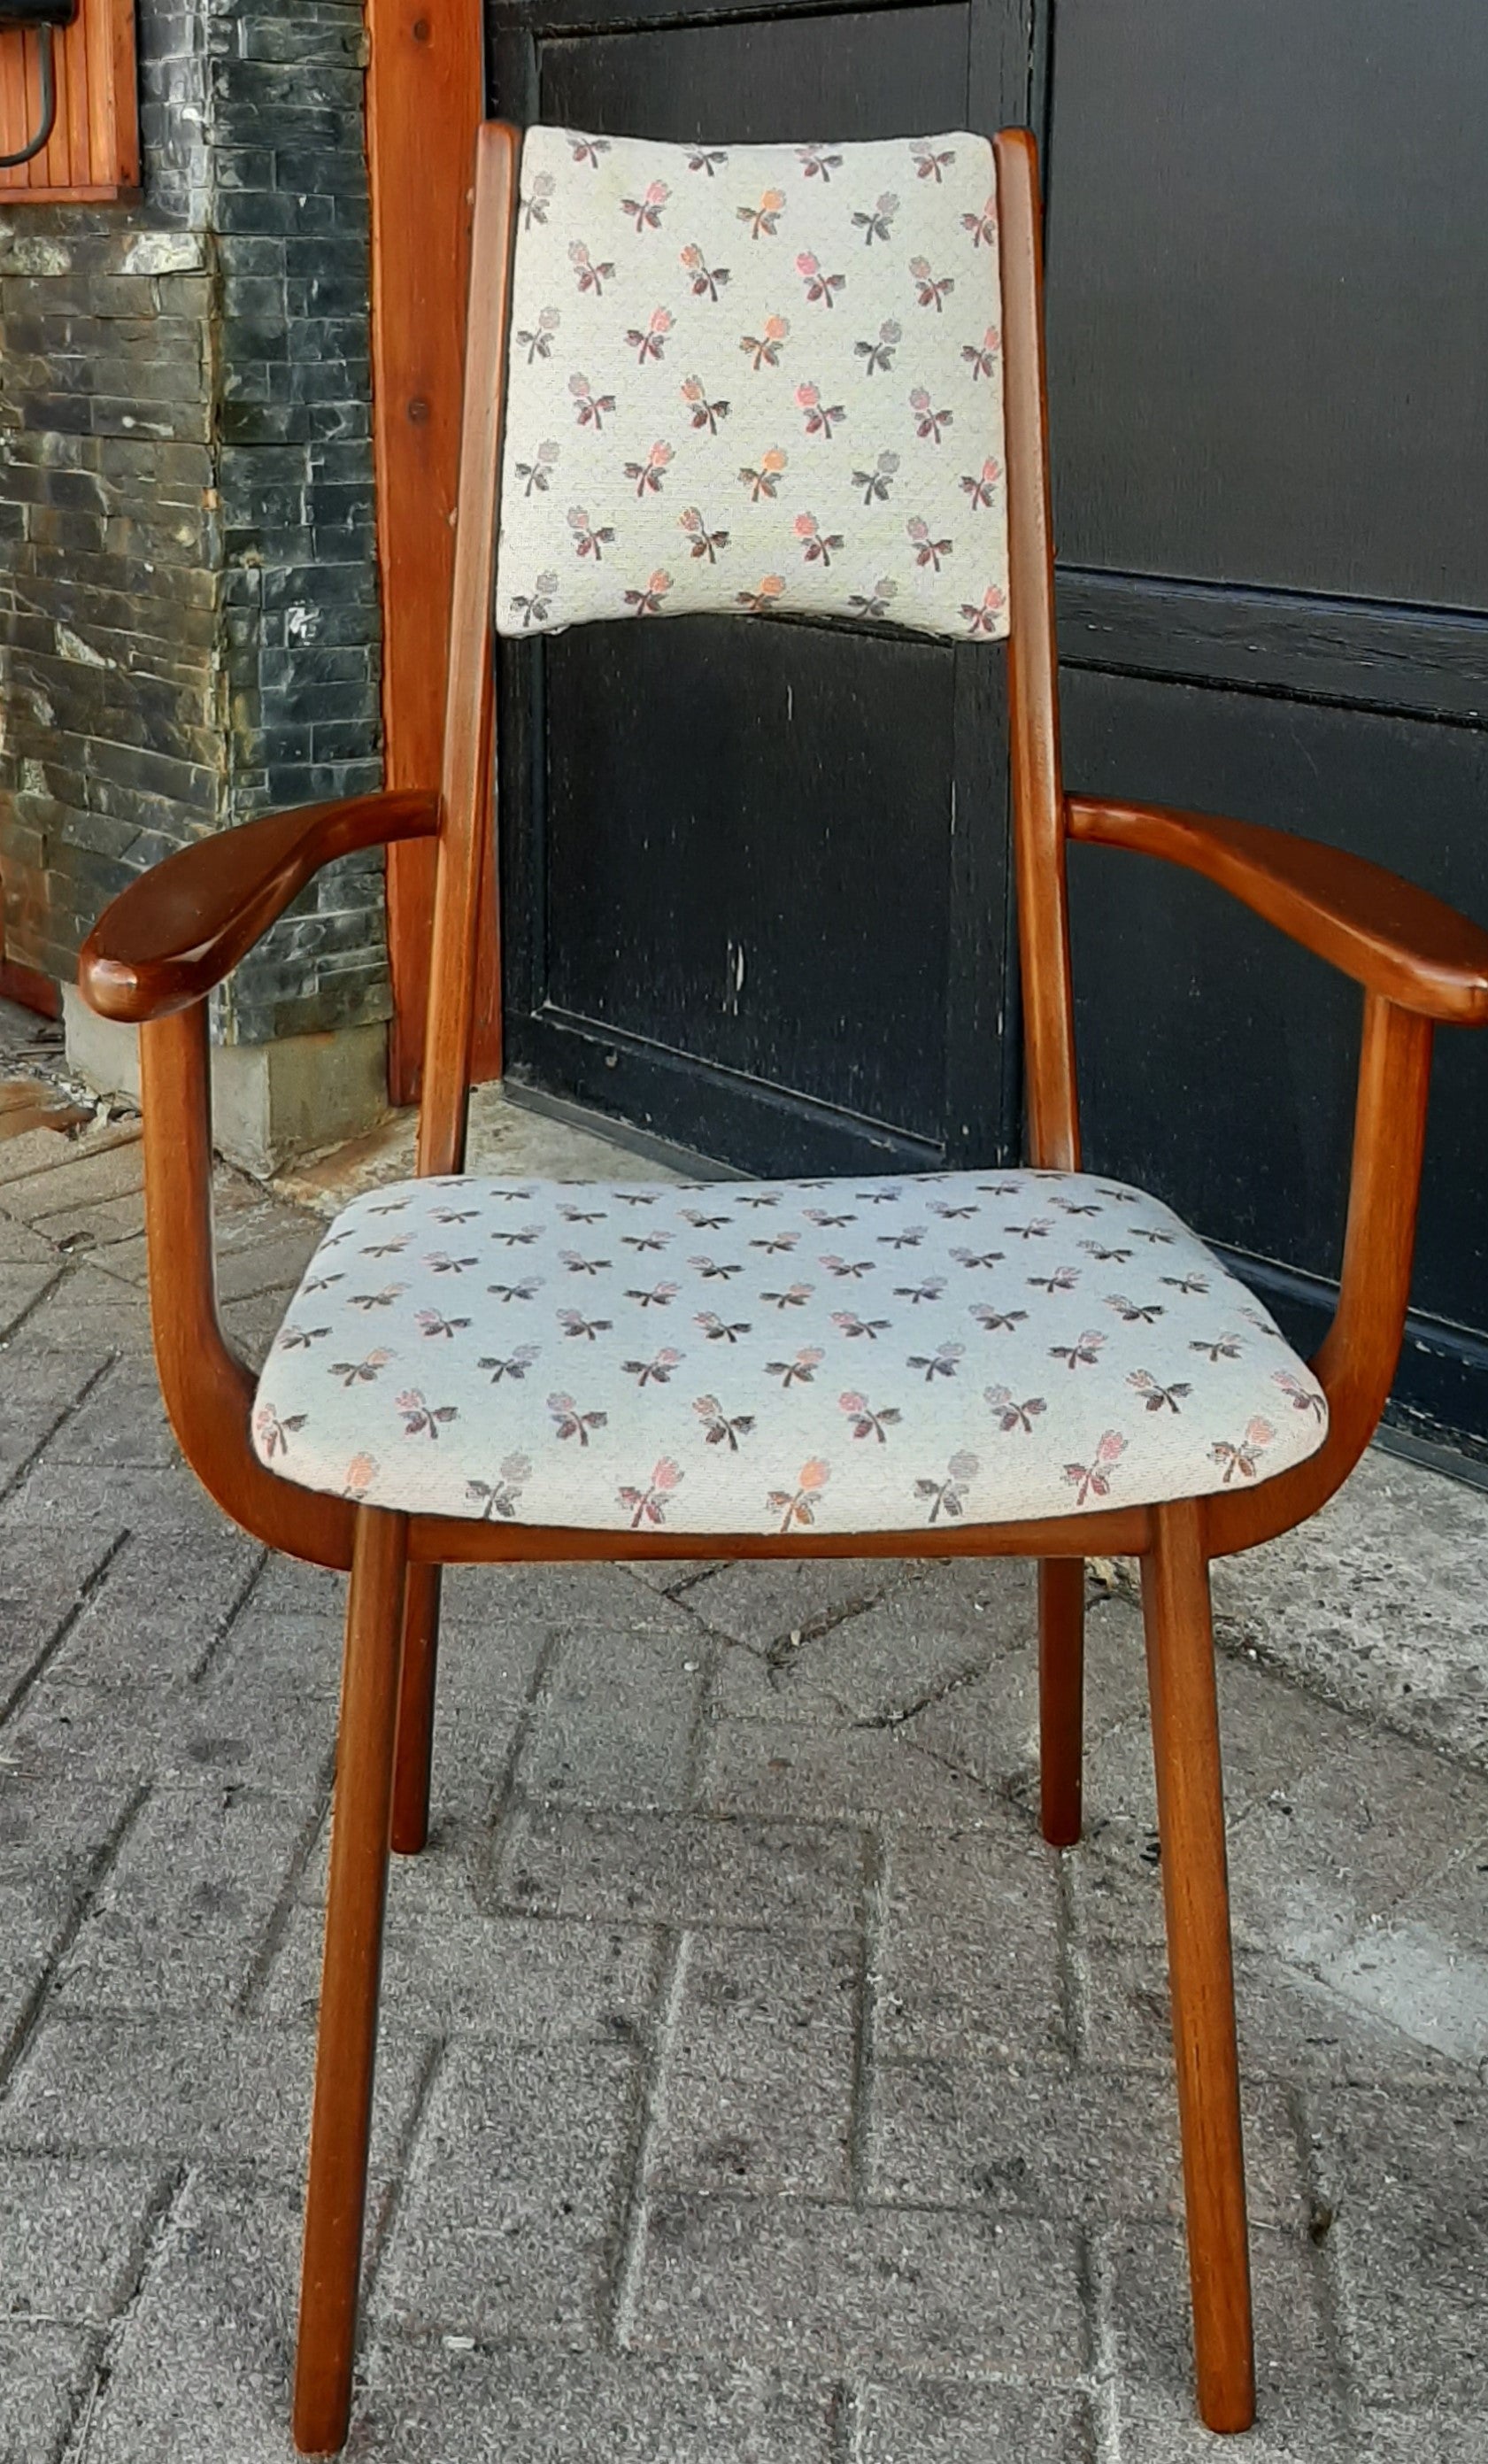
x=1312, y=1868
x=112, y=1736
x=968, y=1960
x=1091, y=2144
x=450, y=1969
x=41, y=1183
x=680, y=1869
x=122, y=1421
x=43, y=2372
x=527, y=2405
x=988, y=1729
x=1426, y=1972
x=787, y=1769
x=21, y=1247
x=115, y=1496
x=1291, y=2025
x=37, y=1390
x=33, y=1922
x=1414, y=2437
x=88, y=1309
x=948, y=2424
x=762, y=1602
x=156, y=1616
x=182, y=1914
x=71, y=2233
x=206, y=2354
x=757, y=2089
x=1367, y=1602
x=99, y=1226
x=20, y=1288
x=1143, y=2303
x=562, y=1598
x=878, y=2289
x=616, y=1721
x=184, y=2085
x=1406, y=2178
x=37, y=1598
x=54, y=1827
x=509, y=2217
x=926, y=1635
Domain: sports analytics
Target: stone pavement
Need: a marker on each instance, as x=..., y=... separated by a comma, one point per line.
x=755, y=2087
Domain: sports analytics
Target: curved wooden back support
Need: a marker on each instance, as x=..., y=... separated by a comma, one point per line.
x=465, y=850
x=1033, y=679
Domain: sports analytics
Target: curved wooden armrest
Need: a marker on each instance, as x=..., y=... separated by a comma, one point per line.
x=1389, y=935
x=184, y=925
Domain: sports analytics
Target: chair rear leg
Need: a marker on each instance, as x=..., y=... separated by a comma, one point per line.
x=414, y=1762
x=1197, y=1895
x=1061, y=1681
x=341, y=2126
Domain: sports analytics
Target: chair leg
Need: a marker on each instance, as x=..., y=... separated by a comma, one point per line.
x=1061, y=1680
x=1197, y=1895
x=341, y=2126
x=415, y=1753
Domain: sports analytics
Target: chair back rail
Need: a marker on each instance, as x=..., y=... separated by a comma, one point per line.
x=471, y=718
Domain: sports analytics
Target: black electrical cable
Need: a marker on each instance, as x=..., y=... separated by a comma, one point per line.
x=44, y=15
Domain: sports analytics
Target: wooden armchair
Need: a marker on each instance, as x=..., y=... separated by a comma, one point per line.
x=1084, y=1440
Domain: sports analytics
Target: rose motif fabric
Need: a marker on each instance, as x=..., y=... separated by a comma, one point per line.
x=874, y=1355
x=751, y=378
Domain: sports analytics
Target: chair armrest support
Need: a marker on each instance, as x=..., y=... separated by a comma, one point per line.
x=1390, y=936
x=184, y=925
x=1355, y=1362
x=207, y=1389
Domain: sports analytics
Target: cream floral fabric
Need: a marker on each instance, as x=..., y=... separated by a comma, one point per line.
x=757, y=377
x=775, y=1356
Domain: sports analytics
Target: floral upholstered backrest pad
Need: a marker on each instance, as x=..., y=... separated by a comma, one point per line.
x=751, y=378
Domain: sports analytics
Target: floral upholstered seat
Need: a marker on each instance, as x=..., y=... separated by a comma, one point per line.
x=752, y=1357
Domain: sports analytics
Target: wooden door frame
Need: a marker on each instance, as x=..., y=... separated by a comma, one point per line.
x=425, y=99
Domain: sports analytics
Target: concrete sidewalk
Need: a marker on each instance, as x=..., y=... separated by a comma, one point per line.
x=755, y=2088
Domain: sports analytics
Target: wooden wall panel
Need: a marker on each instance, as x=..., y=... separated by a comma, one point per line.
x=424, y=101
x=93, y=153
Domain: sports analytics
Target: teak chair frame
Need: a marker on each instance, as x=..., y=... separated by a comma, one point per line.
x=168, y=940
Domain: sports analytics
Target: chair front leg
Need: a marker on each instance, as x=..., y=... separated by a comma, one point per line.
x=1197, y=1895
x=415, y=1755
x=1061, y=1681
x=341, y=2126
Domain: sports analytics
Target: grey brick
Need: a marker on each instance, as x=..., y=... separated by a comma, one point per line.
x=509, y=2215
x=790, y=1768
x=71, y=2235
x=36, y=1599
x=38, y=1389
x=1404, y=2178
x=186, y=2085
x=183, y=1911
x=154, y=1618
x=209, y=2338
x=1091, y=2144
x=1144, y=2305
x=969, y=1957
x=1291, y=2025
x=530, y=2406
x=951, y=2424
x=43, y=2371
x=449, y=1969
x=880, y=2289
x=666, y=1869
x=758, y=2088
x=615, y=1726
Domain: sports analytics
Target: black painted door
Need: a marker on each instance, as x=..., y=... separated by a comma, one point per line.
x=754, y=882
x=1268, y=310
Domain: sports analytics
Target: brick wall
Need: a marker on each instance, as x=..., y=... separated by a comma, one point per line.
x=188, y=610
